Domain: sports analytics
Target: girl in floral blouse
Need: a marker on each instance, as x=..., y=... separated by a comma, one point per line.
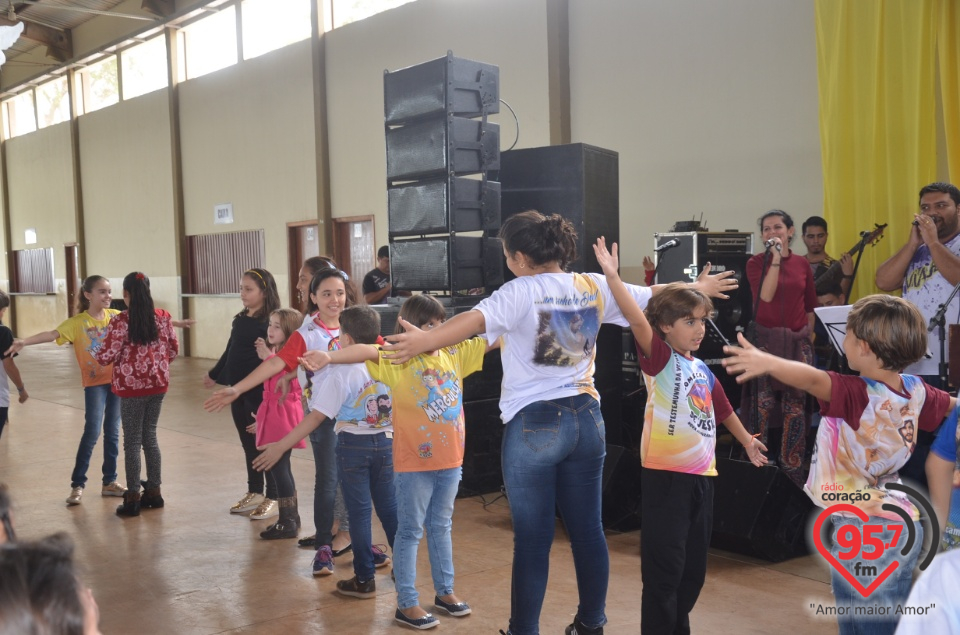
x=140, y=343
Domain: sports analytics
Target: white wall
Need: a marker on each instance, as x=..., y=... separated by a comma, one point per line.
x=711, y=105
x=511, y=34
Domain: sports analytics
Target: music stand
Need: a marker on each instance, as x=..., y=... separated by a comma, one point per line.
x=834, y=319
x=715, y=336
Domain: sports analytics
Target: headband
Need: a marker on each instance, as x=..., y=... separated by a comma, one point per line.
x=256, y=273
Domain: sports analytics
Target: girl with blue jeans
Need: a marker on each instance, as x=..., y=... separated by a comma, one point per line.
x=86, y=331
x=555, y=442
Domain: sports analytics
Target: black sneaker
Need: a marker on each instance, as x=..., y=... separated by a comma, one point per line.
x=355, y=588
x=460, y=609
x=577, y=628
x=421, y=623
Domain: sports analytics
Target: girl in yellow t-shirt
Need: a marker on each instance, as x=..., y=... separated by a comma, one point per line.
x=85, y=331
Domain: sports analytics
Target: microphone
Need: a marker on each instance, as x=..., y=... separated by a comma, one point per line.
x=771, y=243
x=667, y=245
x=916, y=223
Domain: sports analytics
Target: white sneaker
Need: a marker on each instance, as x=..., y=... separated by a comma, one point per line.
x=249, y=502
x=112, y=489
x=75, y=494
x=267, y=509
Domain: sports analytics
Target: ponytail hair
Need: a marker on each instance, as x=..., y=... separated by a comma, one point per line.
x=542, y=239
x=350, y=290
x=271, y=297
x=83, y=302
x=143, y=321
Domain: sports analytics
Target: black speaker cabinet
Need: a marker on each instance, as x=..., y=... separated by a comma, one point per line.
x=444, y=205
x=482, y=472
x=621, y=489
x=444, y=144
x=759, y=512
x=444, y=85
x=577, y=181
x=444, y=263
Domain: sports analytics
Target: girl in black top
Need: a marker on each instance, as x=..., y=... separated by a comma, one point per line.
x=258, y=293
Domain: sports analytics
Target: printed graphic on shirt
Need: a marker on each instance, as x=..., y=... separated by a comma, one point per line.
x=566, y=338
x=443, y=395
x=371, y=409
x=700, y=402
x=858, y=463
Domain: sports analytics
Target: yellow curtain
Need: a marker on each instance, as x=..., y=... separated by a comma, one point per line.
x=876, y=65
x=948, y=45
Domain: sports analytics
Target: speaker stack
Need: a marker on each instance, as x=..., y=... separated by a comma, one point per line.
x=440, y=148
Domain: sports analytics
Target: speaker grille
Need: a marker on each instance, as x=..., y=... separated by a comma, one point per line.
x=443, y=206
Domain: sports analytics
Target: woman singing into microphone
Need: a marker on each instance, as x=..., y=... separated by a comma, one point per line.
x=784, y=318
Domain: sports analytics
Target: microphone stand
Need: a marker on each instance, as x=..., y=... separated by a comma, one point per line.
x=939, y=320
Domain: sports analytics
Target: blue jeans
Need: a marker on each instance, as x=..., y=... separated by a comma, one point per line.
x=365, y=466
x=424, y=498
x=102, y=410
x=552, y=457
x=323, y=440
x=895, y=589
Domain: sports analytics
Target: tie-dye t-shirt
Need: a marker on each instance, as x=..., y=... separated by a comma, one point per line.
x=428, y=430
x=867, y=432
x=360, y=404
x=680, y=423
x=549, y=324
x=86, y=334
x=946, y=448
x=926, y=288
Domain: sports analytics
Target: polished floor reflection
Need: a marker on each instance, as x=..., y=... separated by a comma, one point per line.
x=194, y=568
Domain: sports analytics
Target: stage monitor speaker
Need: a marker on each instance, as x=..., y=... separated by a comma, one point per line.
x=441, y=206
x=577, y=181
x=442, y=145
x=445, y=85
x=482, y=472
x=621, y=489
x=446, y=263
x=759, y=512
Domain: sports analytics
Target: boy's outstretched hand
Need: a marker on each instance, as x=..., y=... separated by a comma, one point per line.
x=269, y=455
x=609, y=261
x=314, y=360
x=220, y=399
x=745, y=361
x=755, y=451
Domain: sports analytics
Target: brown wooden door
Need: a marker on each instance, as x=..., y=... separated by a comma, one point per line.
x=354, y=246
x=303, y=242
x=73, y=277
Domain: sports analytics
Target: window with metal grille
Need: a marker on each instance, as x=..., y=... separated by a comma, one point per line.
x=33, y=271
x=218, y=260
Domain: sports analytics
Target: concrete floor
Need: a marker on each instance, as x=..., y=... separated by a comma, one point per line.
x=194, y=568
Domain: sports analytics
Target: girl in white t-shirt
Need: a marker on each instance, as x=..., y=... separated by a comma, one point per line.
x=554, y=443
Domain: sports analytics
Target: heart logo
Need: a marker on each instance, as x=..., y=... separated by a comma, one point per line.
x=825, y=552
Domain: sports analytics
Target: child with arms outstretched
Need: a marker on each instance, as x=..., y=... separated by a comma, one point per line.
x=428, y=452
x=677, y=449
x=258, y=294
x=364, y=451
x=865, y=436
